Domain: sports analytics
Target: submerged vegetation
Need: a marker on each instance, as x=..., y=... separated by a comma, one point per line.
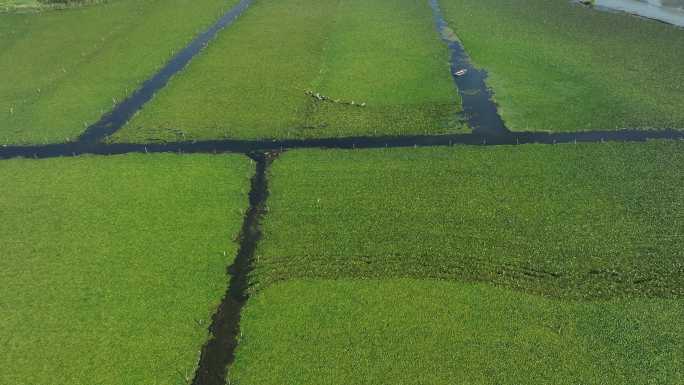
x=112, y=266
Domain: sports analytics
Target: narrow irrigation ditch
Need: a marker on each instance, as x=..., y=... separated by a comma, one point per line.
x=478, y=105
x=250, y=146
x=122, y=112
x=219, y=351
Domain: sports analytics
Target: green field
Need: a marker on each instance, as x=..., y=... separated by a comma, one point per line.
x=112, y=266
x=575, y=221
x=439, y=332
x=276, y=263
x=558, y=66
x=60, y=71
x=529, y=264
x=252, y=82
x=7, y=5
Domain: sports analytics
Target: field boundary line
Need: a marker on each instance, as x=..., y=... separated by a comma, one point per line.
x=250, y=146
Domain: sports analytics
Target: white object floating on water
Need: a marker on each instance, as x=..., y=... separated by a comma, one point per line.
x=461, y=72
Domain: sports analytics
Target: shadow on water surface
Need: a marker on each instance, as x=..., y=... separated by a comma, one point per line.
x=122, y=112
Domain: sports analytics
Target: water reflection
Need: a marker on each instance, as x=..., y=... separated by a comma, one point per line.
x=669, y=11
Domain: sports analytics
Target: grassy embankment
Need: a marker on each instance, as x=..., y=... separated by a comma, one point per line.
x=251, y=83
x=538, y=263
x=557, y=66
x=60, y=71
x=43, y=5
x=112, y=267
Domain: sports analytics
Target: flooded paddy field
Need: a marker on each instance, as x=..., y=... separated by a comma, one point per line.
x=469, y=261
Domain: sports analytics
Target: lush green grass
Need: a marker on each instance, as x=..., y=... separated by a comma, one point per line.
x=557, y=66
x=251, y=83
x=60, y=71
x=586, y=220
x=432, y=332
x=112, y=267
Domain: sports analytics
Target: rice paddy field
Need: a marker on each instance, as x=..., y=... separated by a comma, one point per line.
x=559, y=66
x=112, y=267
x=321, y=192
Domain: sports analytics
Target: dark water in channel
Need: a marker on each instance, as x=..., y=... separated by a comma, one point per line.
x=668, y=11
x=119, y=116
x=479, y=108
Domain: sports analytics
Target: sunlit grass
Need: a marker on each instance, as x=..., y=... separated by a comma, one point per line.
x=258, y=80
x=558, y=66
x=61, y=71
x=112, y=266
x=579, y=221
x=439, y=332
